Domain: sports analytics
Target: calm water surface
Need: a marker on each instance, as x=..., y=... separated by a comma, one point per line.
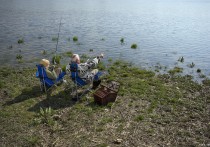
x=164, y=30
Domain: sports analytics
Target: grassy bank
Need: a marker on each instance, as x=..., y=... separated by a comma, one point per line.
x=150, y=110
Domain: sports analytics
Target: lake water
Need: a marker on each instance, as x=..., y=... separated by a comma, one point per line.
x=164, y=30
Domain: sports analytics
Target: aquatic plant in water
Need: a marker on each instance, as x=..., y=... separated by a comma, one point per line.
x=181, y=59
x=20, y=41
x=91, y=50
x=19, y=57
x=134, y=46
x=191, y=65
x=75, y=38
x=122, y=40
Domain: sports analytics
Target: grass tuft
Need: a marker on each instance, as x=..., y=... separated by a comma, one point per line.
x=134, y=46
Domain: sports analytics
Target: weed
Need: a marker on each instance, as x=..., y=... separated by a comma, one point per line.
x=39, y=37
x=45, y=116
x=91, y=50
x=20, y=41
x=191, y=65
x=175, y=70
x=122, y=40
x=139, y=118
x=19, y=57
x=56, y=59
x=75, y=38
x=101, y=66
x=69, y=53
x=134, y=46
x=102, y=39
x=33, y=140
x=181, y=59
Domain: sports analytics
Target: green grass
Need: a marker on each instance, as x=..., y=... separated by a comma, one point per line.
x=175, y=70
x=56, y=59
x=147, y=105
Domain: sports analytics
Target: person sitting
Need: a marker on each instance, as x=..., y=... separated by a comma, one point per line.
x=86, y=71
x=52, y=72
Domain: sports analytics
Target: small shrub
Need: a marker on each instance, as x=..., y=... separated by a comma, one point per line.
x=134, y=46
x=20, y=41
x=75, y=38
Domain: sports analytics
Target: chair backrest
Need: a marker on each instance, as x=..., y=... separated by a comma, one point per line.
x=75, y=75
x=42, y=75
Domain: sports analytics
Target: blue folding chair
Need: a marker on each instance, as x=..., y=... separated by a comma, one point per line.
x=45, y=82
x=78, y=81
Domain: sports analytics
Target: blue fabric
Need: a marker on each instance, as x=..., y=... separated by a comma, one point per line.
x=97, y=76
x=75, y=76
x=42, y=75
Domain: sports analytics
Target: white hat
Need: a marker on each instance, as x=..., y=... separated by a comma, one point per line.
x=75, y=58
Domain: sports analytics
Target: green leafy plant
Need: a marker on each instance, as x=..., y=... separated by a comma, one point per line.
x=45, y=116
x=56, y=59
x=134, y=46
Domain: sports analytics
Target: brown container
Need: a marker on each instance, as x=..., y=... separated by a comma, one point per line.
x=106, y=93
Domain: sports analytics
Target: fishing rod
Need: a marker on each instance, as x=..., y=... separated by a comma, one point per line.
x=57, y=42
